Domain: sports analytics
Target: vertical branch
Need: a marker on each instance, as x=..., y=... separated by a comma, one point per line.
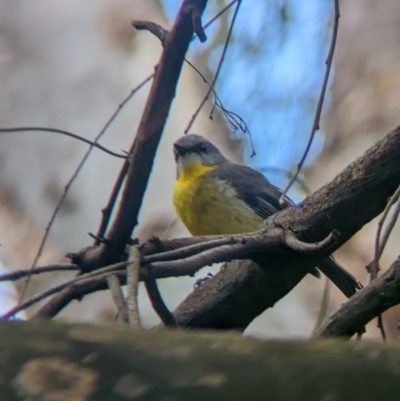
x=148, y=135
x=118, y=297
x=132, y=282
x=315, y=126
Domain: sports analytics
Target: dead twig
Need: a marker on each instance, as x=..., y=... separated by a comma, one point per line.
x=380, y=295
x=18, y=274
x=72, y=179
x=190, y=261
x=373, y=267
x=66, y=133
x=132, y=278
x=118, y=297
x=315, y=126
x=196, y=113
x=275, y=240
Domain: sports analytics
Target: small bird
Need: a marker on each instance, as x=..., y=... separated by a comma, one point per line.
x=214, y=196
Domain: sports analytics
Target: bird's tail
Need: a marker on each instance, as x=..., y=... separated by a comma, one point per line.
x=339, y=276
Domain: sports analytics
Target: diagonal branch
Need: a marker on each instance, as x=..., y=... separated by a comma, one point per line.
x=371, y=301
x=239, y=293
x=148, y=135
x=243, y=290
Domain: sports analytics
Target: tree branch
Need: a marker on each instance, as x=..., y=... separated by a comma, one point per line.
x=243, y=290
x=118, y=297
x=148, y=135
x=239, y=293
x=49, y=361
x=382, y=293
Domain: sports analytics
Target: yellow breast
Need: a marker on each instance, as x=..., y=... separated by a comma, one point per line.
x=210, y=206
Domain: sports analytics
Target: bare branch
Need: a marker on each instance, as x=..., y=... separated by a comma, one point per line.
x=238, y=247
x=196, y=113
x=190, y=250
x=118, y=297
x=58, y=288
x=144, y=147
x=373, y=267
x=158, y=303
x=368, y=303
x=243, y=290
x=106, y=212
x=132, y=272
x=295, y=244
x=66, y=133
x=156, y=29
x=315, y=126
x=18, y=274
x=197, y=26
x=225, y=300
x=72, y=179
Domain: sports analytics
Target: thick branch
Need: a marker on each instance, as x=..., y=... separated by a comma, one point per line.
x=147, y=138
x=371, y=301
x=239, y=293
x=153, y=120
x=48, y=361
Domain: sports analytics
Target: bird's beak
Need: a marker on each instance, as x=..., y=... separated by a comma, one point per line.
x=179, y=150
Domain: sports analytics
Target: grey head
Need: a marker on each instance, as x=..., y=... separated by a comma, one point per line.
x=193, y=148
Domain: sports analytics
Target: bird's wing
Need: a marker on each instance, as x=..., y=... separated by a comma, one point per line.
x=252, y=187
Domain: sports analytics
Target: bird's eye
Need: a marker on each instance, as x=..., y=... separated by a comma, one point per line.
x=202, y=149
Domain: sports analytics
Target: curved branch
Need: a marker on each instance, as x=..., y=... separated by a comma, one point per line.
x=292, y=242
x=66, y=133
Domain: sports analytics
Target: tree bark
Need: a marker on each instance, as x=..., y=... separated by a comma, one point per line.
x=243, y=290
x=49, y=361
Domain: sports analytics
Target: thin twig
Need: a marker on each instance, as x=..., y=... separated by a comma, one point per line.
x=389, y=228
x=118, y=297
x=54, y=290
x=72, y=179
x=18, y=274
x=373, y=267
x=218, y=70
x=105, y=220
x=191, y=249
x=132, y=282
x=275, y=240
x=289, y=175
x=62, y=132
x=235, y=121
x=324, y=305
x=239, y=246
x=315, y=126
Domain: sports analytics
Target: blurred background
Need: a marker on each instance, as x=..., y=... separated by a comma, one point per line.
x=69, y=64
